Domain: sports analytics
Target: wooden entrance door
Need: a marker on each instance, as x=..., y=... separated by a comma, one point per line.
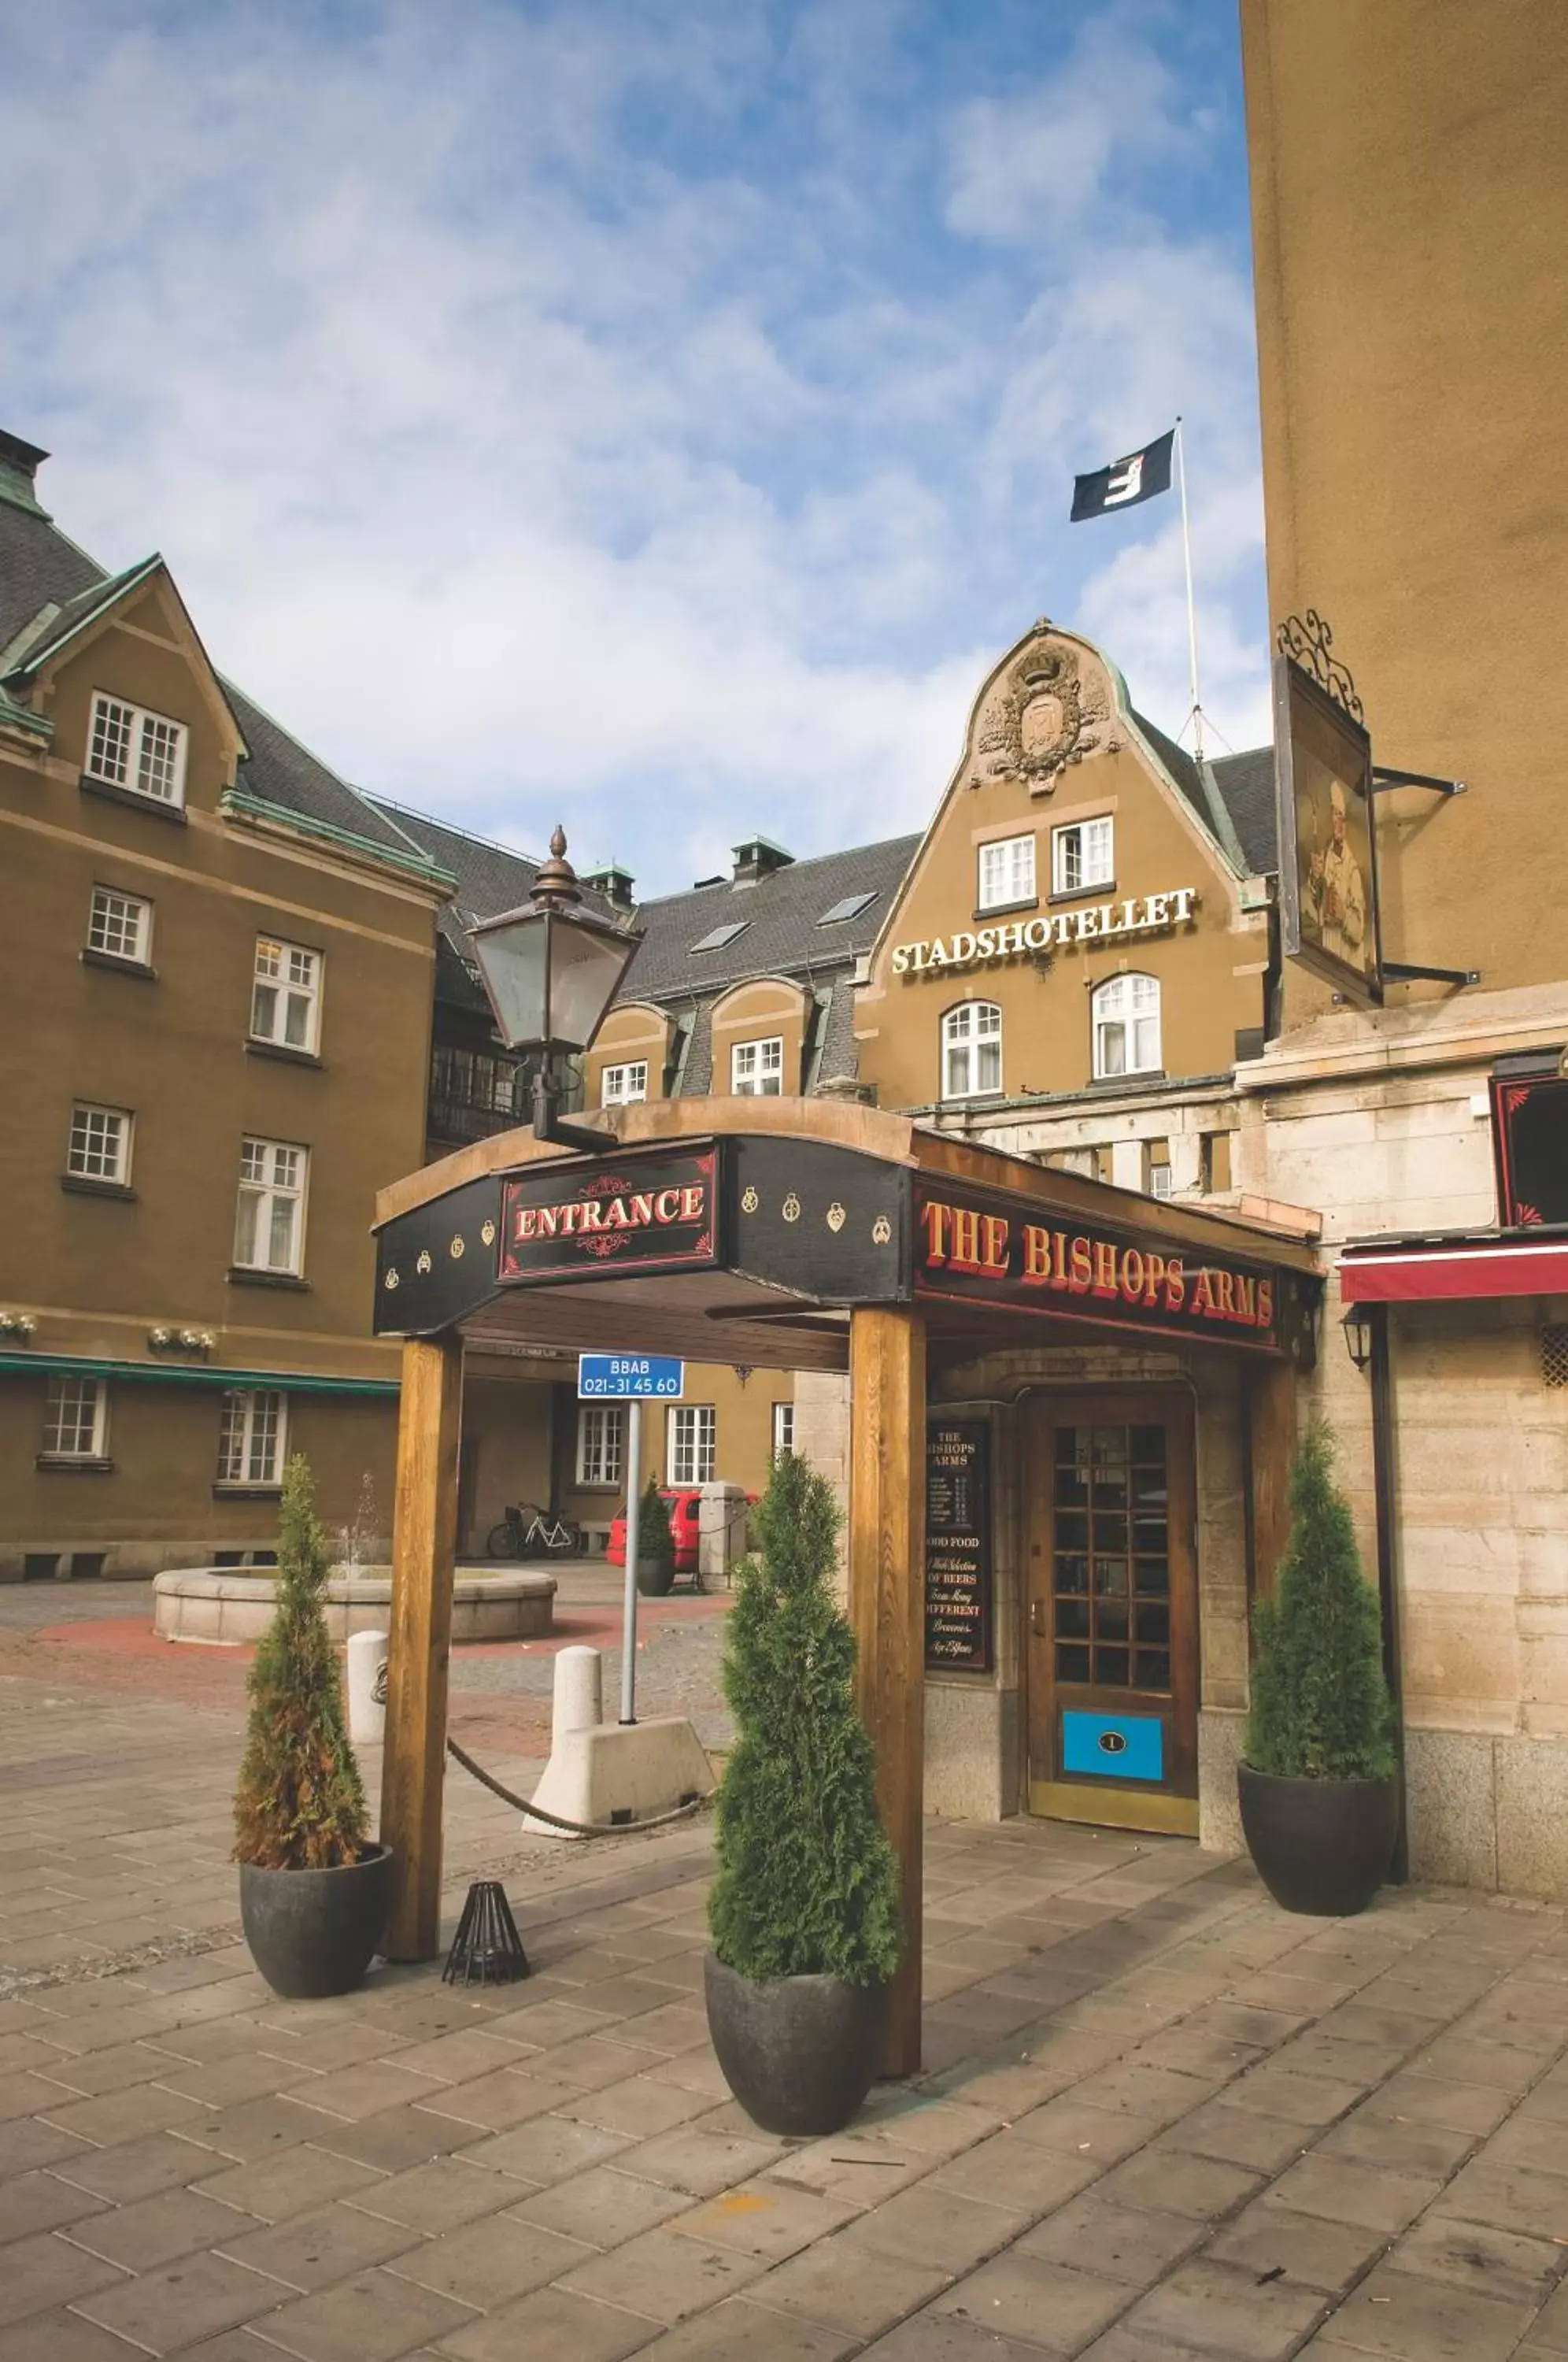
x=1112, y=1647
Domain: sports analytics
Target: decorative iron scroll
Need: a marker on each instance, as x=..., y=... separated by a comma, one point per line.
x=1309, y=642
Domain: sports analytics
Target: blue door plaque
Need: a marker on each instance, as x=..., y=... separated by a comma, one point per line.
x=1113, y=1746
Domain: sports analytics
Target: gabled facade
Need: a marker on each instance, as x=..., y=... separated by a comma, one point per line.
x=218, y=956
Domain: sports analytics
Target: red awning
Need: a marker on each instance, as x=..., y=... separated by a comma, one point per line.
x=1439, y=1270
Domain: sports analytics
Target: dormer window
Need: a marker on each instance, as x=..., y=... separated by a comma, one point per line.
x=140, y=751
x=717, y=938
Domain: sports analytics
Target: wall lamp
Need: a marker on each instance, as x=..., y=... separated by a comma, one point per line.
x=1357, y=1326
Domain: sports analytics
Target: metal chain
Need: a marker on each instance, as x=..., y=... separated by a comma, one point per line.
x=576, y=1828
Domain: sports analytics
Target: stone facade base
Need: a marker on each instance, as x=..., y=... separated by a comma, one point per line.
x=971, y=1749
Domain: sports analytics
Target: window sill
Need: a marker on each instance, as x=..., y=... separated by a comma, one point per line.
x=971, y=1098
x=1138, y=1079
x=82, y=1185
x=1005, y=909
x=115, y=965
x=113, y=795
x=256, y=1048
x=1106, y=892
x=241, y=1275
x=222, y=1492
x=67, y=1463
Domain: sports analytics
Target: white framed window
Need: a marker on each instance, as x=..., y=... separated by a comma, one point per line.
x=1083, y=855
x=269, y=1229
x=757, y=1069
x=1126, y=1026
x=251, y=1435
x=971, y=1050
x=75, y=1418
x=119, y=926
x=1160, y=1184
x=623, y=1085
x=143, y=753
x=1006, y=872
x=601, y=1441
x=100, y=1147
x=690, y=1449
x=783, y=1428
x=285, y=1001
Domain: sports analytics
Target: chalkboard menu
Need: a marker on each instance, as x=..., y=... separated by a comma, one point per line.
x=958, y=1546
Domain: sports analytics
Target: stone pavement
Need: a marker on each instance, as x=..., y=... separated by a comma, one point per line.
x=1159, y=2118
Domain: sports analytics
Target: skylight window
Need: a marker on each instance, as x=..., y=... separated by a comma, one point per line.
x=717, y=937
x=850, y=908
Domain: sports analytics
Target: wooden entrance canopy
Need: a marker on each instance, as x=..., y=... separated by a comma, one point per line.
x=788, y=1234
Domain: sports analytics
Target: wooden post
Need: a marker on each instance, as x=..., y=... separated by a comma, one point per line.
x=1271, y=1409
x=887, y=1607
x=425, y=1542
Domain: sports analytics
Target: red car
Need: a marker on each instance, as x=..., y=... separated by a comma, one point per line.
x=682, y=1509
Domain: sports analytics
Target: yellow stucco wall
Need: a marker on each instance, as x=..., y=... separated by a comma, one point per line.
x=1409, y=187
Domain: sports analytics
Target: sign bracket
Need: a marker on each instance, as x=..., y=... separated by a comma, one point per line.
x=1402, y=972
x=1383, y=779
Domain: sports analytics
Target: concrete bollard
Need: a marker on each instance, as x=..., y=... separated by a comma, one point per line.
x=579, y=1692
x=367, y=1655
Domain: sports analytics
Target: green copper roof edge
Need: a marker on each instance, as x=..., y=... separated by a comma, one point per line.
x=22, y=717
x=419, y=864
x=183, y=1374
x=109, y=592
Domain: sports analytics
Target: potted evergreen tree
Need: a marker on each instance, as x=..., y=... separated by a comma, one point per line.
x=315, y=1893
x=1319, y=1787
x=655, y=1544
x=805, y=1909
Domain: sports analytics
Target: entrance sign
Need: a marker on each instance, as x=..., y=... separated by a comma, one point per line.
x=981, y=1247
x=1092, y=923
x=958, y=1575
x=629, y=1377
x=631, y=1214
x=1328, y=848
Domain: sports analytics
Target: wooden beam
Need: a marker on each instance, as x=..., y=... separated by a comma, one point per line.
x=1271, y=1419
x=425, y=1540
x=887, y=1607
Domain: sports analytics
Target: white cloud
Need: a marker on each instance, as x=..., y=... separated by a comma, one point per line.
x=586, y=414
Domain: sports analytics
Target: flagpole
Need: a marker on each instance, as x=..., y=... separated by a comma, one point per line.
x=1197, y=712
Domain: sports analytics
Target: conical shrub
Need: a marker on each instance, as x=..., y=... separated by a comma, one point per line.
x=807, y=1884
x=1320, y=1708
x=656, y=1542
x=300, y=1803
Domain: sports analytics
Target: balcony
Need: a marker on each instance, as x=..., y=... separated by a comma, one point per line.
x=475, y=1093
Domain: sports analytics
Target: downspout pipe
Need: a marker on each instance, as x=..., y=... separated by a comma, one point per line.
x=1385, y=1500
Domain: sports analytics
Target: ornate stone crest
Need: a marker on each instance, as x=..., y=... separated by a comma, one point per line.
x=1050, y=708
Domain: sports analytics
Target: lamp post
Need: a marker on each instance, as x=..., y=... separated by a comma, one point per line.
x=550, y=970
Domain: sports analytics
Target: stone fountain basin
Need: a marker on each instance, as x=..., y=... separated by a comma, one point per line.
x=228, y=1606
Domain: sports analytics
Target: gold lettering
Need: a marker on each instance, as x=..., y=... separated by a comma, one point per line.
x=1156, y=1279
x=1036, y=1270
x=1132, y=1274
x=1266, y=1303
x=1222, y=1303
x=937, y=1218
x=993, y=1243
x=966, y=1254
x=1203, y=1294
x=1246, y=1299
x=1080, y=1268
x=1104, y=1267
x=1176, y=1285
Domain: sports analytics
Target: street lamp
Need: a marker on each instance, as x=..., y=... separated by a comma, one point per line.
x=550, y=970
x=1356, y=1325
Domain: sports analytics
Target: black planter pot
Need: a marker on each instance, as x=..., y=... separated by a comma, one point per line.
x=800, y=2053
x=655, y=1576
x=313, y=1932
x=1319, y=1845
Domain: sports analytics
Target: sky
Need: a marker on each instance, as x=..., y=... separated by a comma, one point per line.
x=657, y=415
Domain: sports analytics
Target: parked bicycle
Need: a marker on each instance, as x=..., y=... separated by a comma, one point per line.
x=527, y=1533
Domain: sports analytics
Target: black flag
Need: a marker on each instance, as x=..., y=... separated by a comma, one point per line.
x=1125, y=482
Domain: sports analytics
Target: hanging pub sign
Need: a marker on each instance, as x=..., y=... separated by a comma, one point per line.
x=958, y=1584
x=1529, y=1138
x=632, y=1213
x=981, y=1247
x=1327, y=849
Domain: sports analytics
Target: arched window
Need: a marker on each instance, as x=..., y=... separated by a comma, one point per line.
x=971, y=1050
x=1126, y=1027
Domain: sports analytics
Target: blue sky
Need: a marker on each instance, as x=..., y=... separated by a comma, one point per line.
x=653, y=413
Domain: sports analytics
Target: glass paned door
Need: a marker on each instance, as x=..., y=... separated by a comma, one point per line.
x=1113, y=1612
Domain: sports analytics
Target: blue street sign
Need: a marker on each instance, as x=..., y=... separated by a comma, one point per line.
x=638, y=1377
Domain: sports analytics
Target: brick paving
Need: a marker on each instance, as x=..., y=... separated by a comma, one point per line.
x=1158, y=2117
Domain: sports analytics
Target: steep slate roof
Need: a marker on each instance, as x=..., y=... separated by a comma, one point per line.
x=489, y=878
x=40, y=568
x=782, y=913
x=1246, y=785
